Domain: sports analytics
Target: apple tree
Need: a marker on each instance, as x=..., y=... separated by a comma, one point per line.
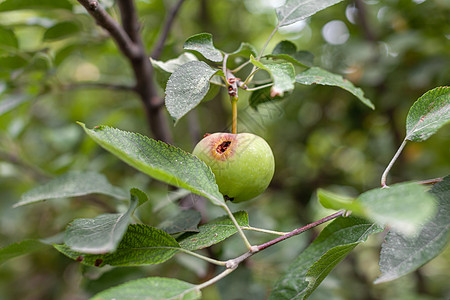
x=102, y=103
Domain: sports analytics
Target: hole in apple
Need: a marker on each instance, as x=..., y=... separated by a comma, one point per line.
x=223, y=147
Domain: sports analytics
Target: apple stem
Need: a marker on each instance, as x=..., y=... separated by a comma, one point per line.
x=234, y=108
x=232, y=83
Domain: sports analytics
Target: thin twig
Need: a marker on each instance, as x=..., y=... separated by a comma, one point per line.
x=156, y=53
x=205, y=284
x=233, y=263
x=301, y=230
x=215, y=279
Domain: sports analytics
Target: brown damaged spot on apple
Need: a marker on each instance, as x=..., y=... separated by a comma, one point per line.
x=223, y=147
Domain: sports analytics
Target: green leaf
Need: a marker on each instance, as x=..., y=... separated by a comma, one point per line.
x=159, y=160
x=321, y=268
x=155, y=288
x=9, y=5
x=203, y=44
x=296, y=10
x=164, y=69
x=334, y=201
x=103, y=233
x=429, y=113
x=212, y=233
x=141, y=245
x=8, y=38
x=401, y=254
x=317, y=75
x=60, y=31
x=287, y=51
x=12, y=62
x=283, y=75
x=172, y=64
x=186, y=88
x=404, y=206
x=245, y=50
x=21, y=248
x=316, y=261
x=185, y=221
x=72, y=184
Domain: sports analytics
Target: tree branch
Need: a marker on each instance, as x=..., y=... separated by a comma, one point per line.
x=104, y=20
x=156, y=53
x=301, y=230
x=129, y=20
x=130, y=44
x=362, y=18
x=233, y=263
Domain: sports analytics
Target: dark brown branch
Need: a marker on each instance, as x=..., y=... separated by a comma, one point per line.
x=103, y=19
x=166, y=29
x=130, y=20
x=362, y=19
x=143, y=71
x=130, y=44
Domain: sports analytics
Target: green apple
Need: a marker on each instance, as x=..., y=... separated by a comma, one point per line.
x=242, y=163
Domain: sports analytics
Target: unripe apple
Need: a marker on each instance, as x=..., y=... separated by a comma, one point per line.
x=242, y=163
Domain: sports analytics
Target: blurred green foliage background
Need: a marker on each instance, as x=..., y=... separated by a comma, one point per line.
x=395, y=50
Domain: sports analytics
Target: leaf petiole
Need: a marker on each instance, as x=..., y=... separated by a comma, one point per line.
x=260, y=87
x=241, y=233
x=250, y=228
x=241, y=67
x=391, y=163
x=205, y=258
x=250, y=77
